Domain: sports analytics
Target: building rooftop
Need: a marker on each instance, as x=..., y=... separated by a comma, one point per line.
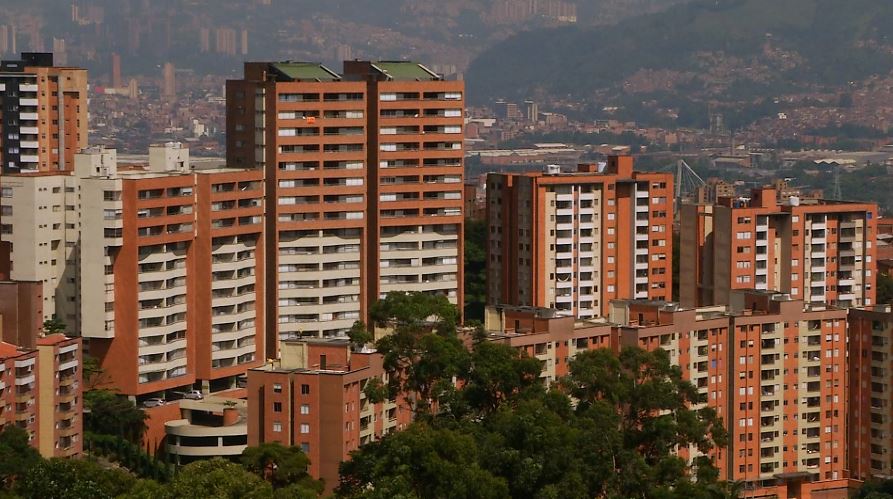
x=8, y=350
x=305, y=71
x=53, y=339
x=405, y=70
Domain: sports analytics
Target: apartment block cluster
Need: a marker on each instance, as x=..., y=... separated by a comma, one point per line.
x=776, y=324
x=339, y=188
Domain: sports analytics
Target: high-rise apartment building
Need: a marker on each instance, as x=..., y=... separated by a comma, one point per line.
x=364, y=185
x=117, y=82
x=169, y=77
x=39, y=222
x=576, y=241
x=41, y=392
x=870, y=427
x=180, y=252
x=43, y=114
x=817, y=250
x=159, y=268
x=60, y=396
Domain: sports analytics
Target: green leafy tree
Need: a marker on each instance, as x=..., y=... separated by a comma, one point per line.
x=93, y=373
x=146, y=489
x=420, y=462
x=497, y=373
x=609, y=429
x=74, y=479
x=423, y=353
x=218, y=479
x=475, y=245
x=876, y=489
x=540, y=448
x=643, y=407
x=283, y=467
x=359, y=335
x=110, y=414
x=54, y=325
x=16, y=456
x=884, y=288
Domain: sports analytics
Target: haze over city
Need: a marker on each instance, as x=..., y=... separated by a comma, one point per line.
x=446, y=249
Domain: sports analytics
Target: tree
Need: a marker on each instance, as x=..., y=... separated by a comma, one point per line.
x=74, y=479
x=423, y=353
x=540, y=448
x=16, y=456
x=54, y=326
x=876, y=489
x=93, y=373
x=884, y=288
x=416, y=311
x=283, y=467
x=218, y=479
x=643, y=407
x=110, y=414
x=146, y=489
x=421, y=461
x=475, y=268
x=359, y=335
x=497, y=373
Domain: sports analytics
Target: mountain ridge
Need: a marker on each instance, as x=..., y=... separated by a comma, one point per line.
x=800, y=41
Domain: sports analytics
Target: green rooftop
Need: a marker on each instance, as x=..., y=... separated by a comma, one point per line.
x=305, y=71
x=404, y=70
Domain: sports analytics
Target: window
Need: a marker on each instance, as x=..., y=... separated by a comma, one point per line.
x=305, y=447
x=277, y=427
x=277, y=388
x=305, y=428
x=277, y=406
x=305, y=409
x=305, y=389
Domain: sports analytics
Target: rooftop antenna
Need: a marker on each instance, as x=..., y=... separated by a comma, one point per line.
x=687, y=182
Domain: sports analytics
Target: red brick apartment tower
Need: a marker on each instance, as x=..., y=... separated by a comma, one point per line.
x=415, y=164
x=178, y=251
x=313, y=398
x=775, y=370
x=228, y=272
x=19, y=390
x=143, y=342
x=43, y=114
x=870, y=423
x=305, y=126
x=41, y=393
x=817, y=250
x=21, y=312
x=60, y=396
x=352, y=215
x=576, y=241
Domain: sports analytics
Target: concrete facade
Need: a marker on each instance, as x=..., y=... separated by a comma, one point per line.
x=816, y=250
x=576, y=241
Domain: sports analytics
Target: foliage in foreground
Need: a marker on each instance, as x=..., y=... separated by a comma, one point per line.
x=23, y=473
x=609, y=429
x=878, y=489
